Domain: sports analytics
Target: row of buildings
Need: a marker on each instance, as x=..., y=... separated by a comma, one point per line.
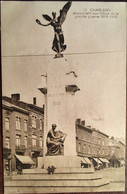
x=23, y=133
x=98, y=146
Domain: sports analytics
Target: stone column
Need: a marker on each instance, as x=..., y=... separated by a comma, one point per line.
x=59, y=88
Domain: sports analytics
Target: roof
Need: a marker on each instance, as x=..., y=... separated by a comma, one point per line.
x=121, y=143
x=11, y=107
x=84, y=127
x=100, y=132
x=24, y=159
x=22, y=105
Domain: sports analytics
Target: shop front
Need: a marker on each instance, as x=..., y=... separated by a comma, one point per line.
x=23, y=162
x=105, y=162
x=7, y=157
x=97, y=164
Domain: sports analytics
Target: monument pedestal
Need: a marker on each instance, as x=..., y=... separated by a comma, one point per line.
x=59, y=89
x=59, y=162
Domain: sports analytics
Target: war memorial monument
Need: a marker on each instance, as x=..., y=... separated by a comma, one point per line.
x=59, y=86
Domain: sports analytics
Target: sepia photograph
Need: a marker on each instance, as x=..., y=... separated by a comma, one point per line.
x=63, y=96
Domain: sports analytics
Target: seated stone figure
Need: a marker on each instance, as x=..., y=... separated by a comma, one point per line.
x=55, y=141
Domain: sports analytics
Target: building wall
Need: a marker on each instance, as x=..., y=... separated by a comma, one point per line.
x=116, y=149
x=83, y=139
x=121, y=151
x=90, y=142
x=101, y=143
x=21, y=113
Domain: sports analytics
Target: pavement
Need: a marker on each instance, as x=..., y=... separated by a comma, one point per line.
x=116, y=176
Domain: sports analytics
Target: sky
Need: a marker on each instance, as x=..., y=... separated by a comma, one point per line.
x=96, y=51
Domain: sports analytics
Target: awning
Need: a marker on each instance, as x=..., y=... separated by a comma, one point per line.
x=24, y=159
x=121, y=162
x=104, y=160
x=87, y=160
x=82, y=160
x=97, y=160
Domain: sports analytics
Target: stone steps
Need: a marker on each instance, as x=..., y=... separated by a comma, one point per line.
x=64, y=180
x=56, y=183
x=33, y=190
x=60, y=171
x=56, y=177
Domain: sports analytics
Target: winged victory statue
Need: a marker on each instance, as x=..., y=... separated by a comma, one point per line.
x=56, y=22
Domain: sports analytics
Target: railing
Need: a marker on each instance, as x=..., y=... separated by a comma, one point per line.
x=6, y=151
x=36, y=149
x=20, y=148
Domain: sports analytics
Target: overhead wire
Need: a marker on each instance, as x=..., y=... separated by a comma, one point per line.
x=39, y=55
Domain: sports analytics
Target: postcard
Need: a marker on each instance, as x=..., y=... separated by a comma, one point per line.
x=63, y=96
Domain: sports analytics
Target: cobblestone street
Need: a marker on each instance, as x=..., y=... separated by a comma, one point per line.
x=116, y=177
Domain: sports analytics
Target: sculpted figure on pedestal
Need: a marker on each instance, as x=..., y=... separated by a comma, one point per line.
x=55, y=141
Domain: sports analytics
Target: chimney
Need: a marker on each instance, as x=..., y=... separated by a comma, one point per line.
x=15, y=97
x=78, y=120
x=34, y=101
x=83, y=123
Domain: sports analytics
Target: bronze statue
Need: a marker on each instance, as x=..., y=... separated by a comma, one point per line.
x=55, y=141
x=58, y=42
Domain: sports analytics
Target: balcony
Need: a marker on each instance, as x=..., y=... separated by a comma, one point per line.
x=6, y=151
x=20, y=148
x=36, y=149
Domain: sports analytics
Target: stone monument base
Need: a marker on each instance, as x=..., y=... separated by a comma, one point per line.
x=59, y=162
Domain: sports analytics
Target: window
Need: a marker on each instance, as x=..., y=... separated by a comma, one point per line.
x=18, y=123
x=95, y=151
x=25, y=141
x=41, y=141
x=33, y=121
x=7, y=142
x=85, y=148
x=99, y=151
x=107, y=143
x=107, y=152
x=88, y=149
x=99, y=141
x=92, y=150
x=103, y=142
x=18, y=140
x=34, y=141
x=7, y=123
x=25, y=125
x=103, y=152
x=40, y=124
x=79, y=147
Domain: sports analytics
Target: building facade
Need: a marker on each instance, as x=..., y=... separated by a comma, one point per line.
x=96, y=146
x=23, y=131
x=116, y=152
